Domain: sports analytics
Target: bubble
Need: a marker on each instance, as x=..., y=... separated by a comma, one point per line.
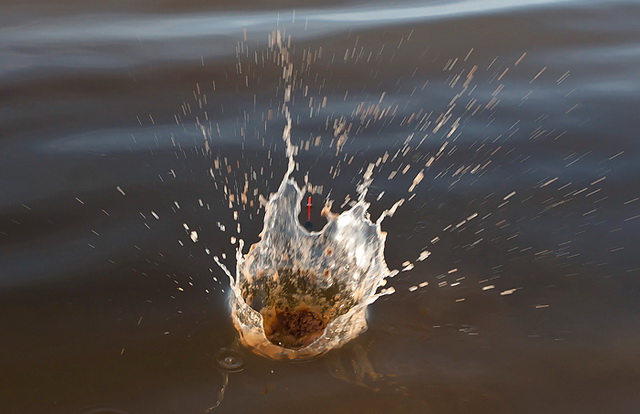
x=230, y=360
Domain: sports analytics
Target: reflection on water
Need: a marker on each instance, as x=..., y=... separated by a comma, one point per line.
x=126, y=41
x=196, y=25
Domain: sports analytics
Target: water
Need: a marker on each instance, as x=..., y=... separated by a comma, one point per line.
x=528, y=301
x=298, y=294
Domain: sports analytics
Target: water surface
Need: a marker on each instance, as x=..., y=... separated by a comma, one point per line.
x=531, y=305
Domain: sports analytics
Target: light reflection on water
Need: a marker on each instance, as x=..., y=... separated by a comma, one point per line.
x=184, y=36
x=159, y=27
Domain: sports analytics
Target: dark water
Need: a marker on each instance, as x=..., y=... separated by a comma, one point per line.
x=103, y=307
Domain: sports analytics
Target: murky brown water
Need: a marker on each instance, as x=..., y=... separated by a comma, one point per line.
x=530, y=211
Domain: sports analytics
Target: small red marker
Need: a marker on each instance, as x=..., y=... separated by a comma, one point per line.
x=308, y=224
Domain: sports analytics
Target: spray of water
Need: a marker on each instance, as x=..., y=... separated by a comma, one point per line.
x=297, y=294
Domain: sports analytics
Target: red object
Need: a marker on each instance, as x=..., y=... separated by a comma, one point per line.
x=309, y=208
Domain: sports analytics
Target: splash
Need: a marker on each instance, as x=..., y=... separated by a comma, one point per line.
x=298, y=294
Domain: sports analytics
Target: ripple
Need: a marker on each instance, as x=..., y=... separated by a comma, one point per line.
x=230, y=360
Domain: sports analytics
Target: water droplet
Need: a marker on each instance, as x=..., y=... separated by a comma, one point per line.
x=420, y=227
x=230, y=360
